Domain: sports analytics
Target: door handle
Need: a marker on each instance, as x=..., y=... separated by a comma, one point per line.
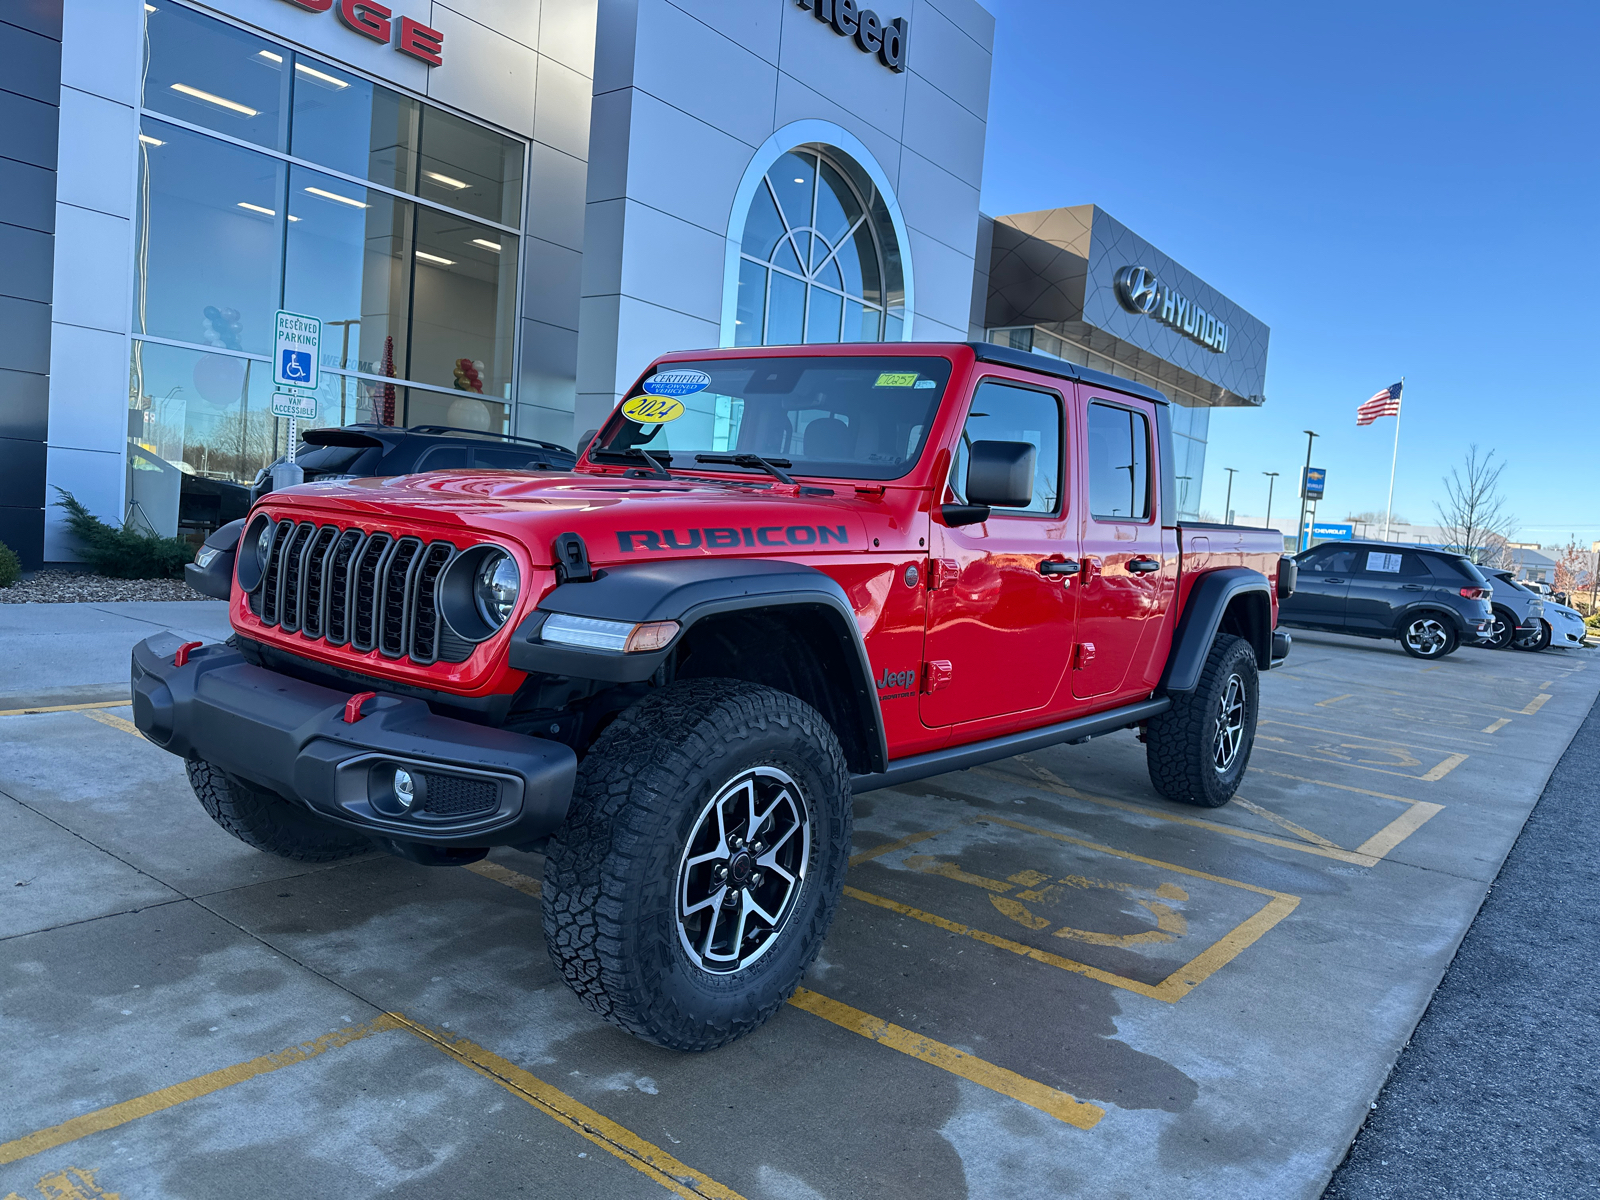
x=1070, y=567
x=1412, y=587
x=1143, y=566
x=1335, y=581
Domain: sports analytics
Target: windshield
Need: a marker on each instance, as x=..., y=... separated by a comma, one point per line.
x=836, y=417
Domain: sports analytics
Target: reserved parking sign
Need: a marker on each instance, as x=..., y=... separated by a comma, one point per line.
x=296, y=350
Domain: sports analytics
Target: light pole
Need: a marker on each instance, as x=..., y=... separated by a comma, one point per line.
x=1227, y=505
x=1272, y=478
x=1300, y=540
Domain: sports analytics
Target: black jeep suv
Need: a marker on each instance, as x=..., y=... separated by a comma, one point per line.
x=1430, y=601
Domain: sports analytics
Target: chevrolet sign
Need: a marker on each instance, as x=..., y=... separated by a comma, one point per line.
x=1139, y=291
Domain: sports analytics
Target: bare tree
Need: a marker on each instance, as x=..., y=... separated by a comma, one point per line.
x=1473, y=514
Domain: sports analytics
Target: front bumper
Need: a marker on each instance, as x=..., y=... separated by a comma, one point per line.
x=474, y=786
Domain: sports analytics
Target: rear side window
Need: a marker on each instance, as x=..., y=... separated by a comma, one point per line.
x=1119, y=463
x=335, y=460
x=443, y=458
x=1391, y=564
x=1455, y=566
x=510, y=458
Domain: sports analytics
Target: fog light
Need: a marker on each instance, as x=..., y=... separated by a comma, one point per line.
x=404, y=790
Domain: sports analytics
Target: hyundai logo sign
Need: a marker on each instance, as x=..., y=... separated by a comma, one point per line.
x=1140, y=292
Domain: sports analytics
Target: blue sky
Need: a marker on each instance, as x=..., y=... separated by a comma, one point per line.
x=1395, y=189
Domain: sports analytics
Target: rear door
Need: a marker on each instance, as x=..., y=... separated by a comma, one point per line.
x=1322, y=587
x=1000, y=632
x=1124, y=553
x=1383, y=585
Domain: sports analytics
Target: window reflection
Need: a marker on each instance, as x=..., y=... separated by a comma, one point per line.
x=470, y=168
x=207, y=240
x=463, y=306
x=207, y=73
x=359, y=128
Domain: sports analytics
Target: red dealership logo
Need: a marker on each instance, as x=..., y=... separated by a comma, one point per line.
x=376, y=21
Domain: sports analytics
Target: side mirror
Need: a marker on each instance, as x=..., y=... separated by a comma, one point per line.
x=1000, y=474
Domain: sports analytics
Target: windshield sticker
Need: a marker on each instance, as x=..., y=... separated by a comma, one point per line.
x=897, y=379
x=927, y=383
x=677, y=383
x=1377, y=561
x=652, y=410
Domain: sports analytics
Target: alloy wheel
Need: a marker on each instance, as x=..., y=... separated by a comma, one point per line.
x=742, y=870
x=1427, y=636
x=1229, y=734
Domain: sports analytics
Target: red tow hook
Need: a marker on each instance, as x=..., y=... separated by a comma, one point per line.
x=352, y=706
x=181, y=658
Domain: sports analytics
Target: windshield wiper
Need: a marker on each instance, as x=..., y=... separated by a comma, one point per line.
x=656, y=459
x=772, y=466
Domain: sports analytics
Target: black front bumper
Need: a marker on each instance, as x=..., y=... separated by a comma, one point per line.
x=474, y=786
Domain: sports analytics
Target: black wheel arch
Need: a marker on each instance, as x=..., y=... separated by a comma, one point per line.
x=783, y=625
x=1235, y=600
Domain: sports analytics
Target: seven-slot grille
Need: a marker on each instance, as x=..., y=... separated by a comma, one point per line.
x=365, y=590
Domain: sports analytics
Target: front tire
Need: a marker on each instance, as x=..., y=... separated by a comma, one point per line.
x=1536, y=641
x=1428, y=636
x=701, y=863
x=268, y=822
x=1197, y=750
x=1503, y=631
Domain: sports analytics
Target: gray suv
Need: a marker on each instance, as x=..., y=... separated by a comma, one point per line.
x=1517, y=610
x=1430, y=601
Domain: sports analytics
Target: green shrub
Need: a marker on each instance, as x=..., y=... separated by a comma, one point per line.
x=10, y=566
x=124, y=553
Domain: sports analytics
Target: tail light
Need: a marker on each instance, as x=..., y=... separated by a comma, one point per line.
x=1476, y=593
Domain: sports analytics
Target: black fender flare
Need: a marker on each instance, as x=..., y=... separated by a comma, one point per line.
x=689, y=591
x=1202, y=618
x=215, y=579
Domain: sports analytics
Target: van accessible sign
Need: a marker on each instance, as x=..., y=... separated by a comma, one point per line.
x=873, y=35
x=1139, y=291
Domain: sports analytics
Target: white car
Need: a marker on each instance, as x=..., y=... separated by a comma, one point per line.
x=1560, y=626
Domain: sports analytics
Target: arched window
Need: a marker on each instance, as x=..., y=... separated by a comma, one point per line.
x=819, y=260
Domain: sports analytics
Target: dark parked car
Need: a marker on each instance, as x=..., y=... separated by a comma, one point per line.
x=365, y=451
x=1430, y=601
x=362, y=451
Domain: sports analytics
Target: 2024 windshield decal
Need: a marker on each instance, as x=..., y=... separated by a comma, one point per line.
x=726, y=538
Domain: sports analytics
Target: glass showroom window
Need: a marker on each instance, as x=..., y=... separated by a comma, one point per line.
x=404, y=238
x=819, y=261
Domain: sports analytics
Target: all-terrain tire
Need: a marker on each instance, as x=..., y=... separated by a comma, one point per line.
x=1183, y=746
x=266, y=821
x=614, y=870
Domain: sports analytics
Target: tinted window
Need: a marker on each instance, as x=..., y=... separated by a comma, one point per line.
x=207, y=73
x=853, y=418
x=1002, y=413
x=1453, y=567
x=443, y=458
x=1119, y=463
x=1329, y=561
x=333, y=460
x=514, y=458
x=1389, y=564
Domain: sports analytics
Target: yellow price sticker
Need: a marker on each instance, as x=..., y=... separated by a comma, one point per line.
x=897, y=379
x=653, y=410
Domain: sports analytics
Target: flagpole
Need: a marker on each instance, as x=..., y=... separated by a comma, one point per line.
x=1394, y=459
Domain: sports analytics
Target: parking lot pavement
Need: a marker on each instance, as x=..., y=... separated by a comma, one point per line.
x=1042, y=979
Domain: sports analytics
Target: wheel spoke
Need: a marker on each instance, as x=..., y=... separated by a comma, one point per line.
x=711, y=925
x=690, y=909
x=751, y=906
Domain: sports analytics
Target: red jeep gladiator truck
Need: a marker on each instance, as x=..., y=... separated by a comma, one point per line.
x=775, y=577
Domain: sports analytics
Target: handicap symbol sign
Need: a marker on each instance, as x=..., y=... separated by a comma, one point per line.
x=296, y=366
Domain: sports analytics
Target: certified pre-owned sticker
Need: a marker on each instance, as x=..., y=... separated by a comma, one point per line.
x=677, y=383
x=652, y=410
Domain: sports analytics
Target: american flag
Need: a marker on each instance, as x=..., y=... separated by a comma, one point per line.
x=1385, y=404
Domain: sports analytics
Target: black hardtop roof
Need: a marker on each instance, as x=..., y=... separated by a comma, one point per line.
x=1045, y=365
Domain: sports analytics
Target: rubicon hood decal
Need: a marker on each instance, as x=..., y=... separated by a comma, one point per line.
x=725, y=537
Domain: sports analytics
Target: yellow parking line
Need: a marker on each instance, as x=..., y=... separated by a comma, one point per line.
x=168, y=1097
x=526, y=884
x=1496, y=726
x=1399, y=829
x=889, y=847
x=1536, y=703
x=645, y=1157
x=50, y=708
x=1046, y=1099
x=1444, y=768
x=1362, y=737
x=1315, y=839
x=1335, y=700
x=115, y=722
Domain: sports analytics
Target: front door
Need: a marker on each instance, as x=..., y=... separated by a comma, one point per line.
x=999, y=630
x=1383, y=585
x=1322, y=587
x=1124, y=585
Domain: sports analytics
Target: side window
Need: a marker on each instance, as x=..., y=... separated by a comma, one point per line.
x=1330, y=561
x=1002, y=412
x=442, y=458
x=1383, y=564
x=509, y=458
x=1119, y=463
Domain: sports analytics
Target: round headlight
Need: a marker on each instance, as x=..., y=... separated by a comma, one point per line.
x=496, y=588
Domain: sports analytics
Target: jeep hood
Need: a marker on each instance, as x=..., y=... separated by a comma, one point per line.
x=619, y=519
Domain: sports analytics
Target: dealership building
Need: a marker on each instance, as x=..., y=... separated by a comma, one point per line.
x=500, y=211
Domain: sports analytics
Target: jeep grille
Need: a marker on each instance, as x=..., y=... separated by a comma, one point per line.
x=370, y=591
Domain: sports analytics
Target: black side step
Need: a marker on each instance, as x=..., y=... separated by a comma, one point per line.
x=959, y=758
